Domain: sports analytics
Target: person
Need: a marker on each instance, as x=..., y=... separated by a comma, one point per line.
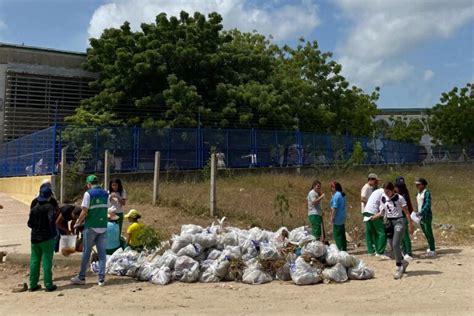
x=94, y=216
x=134, y=229
x=315, y=210
x=113, y=234
x=117, y=200
x=338, y=215
x=365, y=193
x=43, y=232
x=374, y=226
x=423, y=202
x=401, y=188
x=68, y=214
x=46, y=183
x=394, y=208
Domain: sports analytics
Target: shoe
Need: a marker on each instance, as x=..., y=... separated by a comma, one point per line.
x=382, y=257
x=430, y=254
x=371, y=254
x=101, y=283
x=77, y=281
x=34, y=288
x=398, y=274
x=405, y=266
x=52, y=288
x=408, y=257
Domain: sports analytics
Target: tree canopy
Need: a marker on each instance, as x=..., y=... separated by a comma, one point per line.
x=187, y=71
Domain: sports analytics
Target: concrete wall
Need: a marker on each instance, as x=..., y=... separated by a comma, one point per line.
x=23, y=189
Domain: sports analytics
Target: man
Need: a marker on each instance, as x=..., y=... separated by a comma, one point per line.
x=423, y=202
x=68, y=215
x=43, y=233
x=94, y=214
x=365, y=193
x=374, y=226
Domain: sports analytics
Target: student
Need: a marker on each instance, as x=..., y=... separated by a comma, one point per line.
x=43, y=233
x=374, y=226
x=94, y=215
x=117, y=200
x=134, y=229
x=315, y=210
x=401, y=188
x=68, y=214
x=365, y=193
x=338, y=215
x=423, y=201
x=394, y=208
x=113, y=234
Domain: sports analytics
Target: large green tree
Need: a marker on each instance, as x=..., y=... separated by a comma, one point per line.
x=452, y=120
x=185, y=71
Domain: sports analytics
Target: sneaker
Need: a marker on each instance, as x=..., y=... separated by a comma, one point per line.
x=77, y=281
x=371, y=254
x=34, y=288
x=52, y=288
x=382, y=257
x=430, y=254
x=404, y=266
x=398, y=274
x=101, y=283
x=408, y=257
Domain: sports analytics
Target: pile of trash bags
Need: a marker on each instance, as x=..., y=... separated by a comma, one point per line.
x=254, y=256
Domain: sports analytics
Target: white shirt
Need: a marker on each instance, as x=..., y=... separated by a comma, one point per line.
x=393, y=206
x=420, y=197
x=365, y=193
x=373, y=204
x=312, y=208
x=115, y=204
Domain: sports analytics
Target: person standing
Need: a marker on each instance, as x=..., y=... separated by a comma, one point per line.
x=315, y=210
x=423, y=201
x=374, y=226
x=394, y=208
x=401, y=188
x=365, y=193
x=338, y=215
x=94, y=215
x=117, y=200
x=43, y=233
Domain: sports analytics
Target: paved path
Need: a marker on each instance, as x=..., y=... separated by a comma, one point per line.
x=14, y=233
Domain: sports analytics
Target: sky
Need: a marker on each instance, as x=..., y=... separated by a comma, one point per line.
x=412, y=49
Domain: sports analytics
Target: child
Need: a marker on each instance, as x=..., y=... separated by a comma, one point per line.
x=315, y=210
x=338, y=215
x=423, y=201
x=113, y=233
x=134, y=229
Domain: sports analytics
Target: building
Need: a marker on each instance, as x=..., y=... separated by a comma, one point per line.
x=39, y=87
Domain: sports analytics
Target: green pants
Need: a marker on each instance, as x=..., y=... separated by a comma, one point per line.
x=42, y=253
x=406, y=242
x=339, y=232
x=120, y=222
x=375, y=235
x=428, y=231
x=315, y=221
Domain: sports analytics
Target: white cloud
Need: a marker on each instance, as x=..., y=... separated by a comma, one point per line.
x=280, y=19
x=384, y=30
x=428, y=75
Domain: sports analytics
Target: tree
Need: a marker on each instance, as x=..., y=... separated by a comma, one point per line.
x=186, y=71
x=452, y=120
x=404, y=130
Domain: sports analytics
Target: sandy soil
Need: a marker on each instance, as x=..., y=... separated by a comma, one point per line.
x=436, y=286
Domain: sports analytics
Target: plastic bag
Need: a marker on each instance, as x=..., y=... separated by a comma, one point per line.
x=360, y=271
x=232, y=252
x=284, y=273
x=249, y=248
x=144, y=272
x=254, y=275
x=190, y=229
x=214, y=254
x=303, y=273
x=315, y=249
x=337, y=273
x=205, y=239
x=161, y=276
x=179, y=242
x=208, y=277
x=346, y=259
x=166, y=260
x=191, y=250
x=268, y=252
x=186, y=269
x=230, y=239
x=332, y=254
x=68, y=244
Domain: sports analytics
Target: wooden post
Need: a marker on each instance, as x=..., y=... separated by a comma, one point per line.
x=156, y=177
x=213, y=184
x=106, y=169
x=62, y=187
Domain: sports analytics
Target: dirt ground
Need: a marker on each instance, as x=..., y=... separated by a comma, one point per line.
x=444, y=285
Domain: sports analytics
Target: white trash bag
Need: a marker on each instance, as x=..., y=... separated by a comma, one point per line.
x=178, y=242
x=303, y=273
x=161, y=276
x=336, y=274
x=186, y=269
x=253, y=274
x=191, y=229
x=360, y=271
x=315, y=249
x=191, y=250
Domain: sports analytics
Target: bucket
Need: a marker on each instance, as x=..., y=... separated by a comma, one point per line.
x=68, y=244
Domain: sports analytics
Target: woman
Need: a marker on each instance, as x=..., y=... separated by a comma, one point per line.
x=401, y=188
x=394, y=208
x=117, y=199
x=315, y=210
x=338, y=215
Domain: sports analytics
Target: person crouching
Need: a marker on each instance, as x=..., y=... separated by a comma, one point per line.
x=113, y=232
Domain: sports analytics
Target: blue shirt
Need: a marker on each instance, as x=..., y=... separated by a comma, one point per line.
x=113, y=235
x=338, y=202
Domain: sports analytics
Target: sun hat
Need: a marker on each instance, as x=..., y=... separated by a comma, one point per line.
x=45, y=193
x=133, y=214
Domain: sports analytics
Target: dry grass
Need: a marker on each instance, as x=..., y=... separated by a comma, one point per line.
x=250, y=199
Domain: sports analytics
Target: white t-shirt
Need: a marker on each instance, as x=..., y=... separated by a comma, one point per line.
x=420, y=197
x=115, y=204
x=394, y=206
x=366, y=191
x=314, y=209
x=373, y=204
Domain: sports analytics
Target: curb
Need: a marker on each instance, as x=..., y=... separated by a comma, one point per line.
x=59, y=260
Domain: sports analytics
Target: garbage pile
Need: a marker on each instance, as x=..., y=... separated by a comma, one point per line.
x=253, y=256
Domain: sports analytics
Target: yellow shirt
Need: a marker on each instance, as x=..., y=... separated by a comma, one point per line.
x=133, y=231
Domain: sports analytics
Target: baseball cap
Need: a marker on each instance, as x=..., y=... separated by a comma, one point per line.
x=133, y=214
x=92, y=179
x=45, y=193
x=373, y=176
x=421, y=181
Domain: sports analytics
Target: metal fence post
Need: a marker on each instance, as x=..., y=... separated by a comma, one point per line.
x=62, y=187
x=106, y=168
x=213, y=185
x=156, y=177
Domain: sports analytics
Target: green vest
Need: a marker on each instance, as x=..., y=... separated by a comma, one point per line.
x=97, y=214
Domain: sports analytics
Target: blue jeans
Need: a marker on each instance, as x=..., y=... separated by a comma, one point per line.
x=92, y=238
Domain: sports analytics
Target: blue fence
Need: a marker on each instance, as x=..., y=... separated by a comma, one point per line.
x=133, y=149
